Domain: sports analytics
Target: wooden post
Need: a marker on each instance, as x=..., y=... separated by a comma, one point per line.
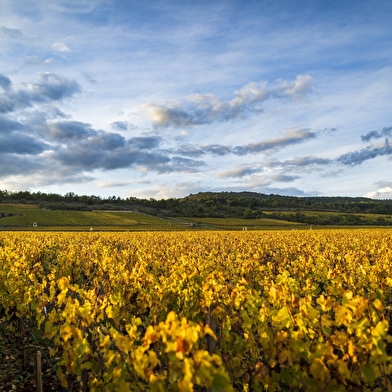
x=38, y=371
x=84, y=380
x=211, y=342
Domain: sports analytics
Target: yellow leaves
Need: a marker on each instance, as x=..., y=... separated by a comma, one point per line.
x=319, y=371
x=282, y=318
x=305, y=309
x=66, y=332
x=339, y=338
x=105, y=342
x=343, y=315
x=116, y=373
x=377, y=304
x=62, y=295
x=380, y=330
x=273, y=293
x=63, y=283
x=109, y=311
x=343, y=371
x=151, y=335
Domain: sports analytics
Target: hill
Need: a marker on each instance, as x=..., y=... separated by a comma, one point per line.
x=246, y=206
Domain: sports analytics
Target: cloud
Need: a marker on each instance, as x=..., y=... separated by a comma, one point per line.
x=23, y=165
x=31, y=60
x=384, y=184
x=291, y=191
x=120, y=125
x=50, y=87
x=5, y=83
x=123, y=125
x=55, y=87
x=283, y=178
x=290, y=137
x=199, y=109
x=145, y=142
x=358, y=157
x=83, y=148
x=10, y=33
x=35, y=60
x=8, y=126
x=382, y=193
x=386, y=131
x=49, y=61
x=266, y=180
x=60, y=47
x=297, y=88
x=113, y=184
x=185, y=164
x=216, y=149
x=306, y=161
x=239, y=172
x=188, y=150
x=69, y=130
x=19, y=143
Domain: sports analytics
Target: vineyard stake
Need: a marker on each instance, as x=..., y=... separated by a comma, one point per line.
x=38, y=371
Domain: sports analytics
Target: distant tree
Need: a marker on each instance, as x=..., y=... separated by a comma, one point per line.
x=249, y=214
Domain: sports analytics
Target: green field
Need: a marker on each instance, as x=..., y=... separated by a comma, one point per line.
x=243, y=224
x=31, y=217
x=330, y=214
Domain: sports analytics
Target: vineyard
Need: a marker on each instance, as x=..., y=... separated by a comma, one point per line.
x=205, y=311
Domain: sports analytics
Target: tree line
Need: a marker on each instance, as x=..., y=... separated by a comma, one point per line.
x=249, y=205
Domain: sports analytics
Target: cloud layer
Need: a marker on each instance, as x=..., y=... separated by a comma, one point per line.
x=160, y=99
x=200, y=109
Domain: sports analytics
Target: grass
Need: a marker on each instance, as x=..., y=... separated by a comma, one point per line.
x=30, y=217
x=367, y=216
x=240, y=224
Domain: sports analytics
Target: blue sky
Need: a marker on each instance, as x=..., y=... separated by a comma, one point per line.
x=166, y=98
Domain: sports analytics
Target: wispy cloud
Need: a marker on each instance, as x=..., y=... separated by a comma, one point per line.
x=228, y=96
x=216, y=149
x=239, y=172
x=10, y=33
x=306, y=161
x=199, y=109
x=293, y=136
x=188, y=150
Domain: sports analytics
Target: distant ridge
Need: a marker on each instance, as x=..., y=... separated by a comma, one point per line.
x=304, y=209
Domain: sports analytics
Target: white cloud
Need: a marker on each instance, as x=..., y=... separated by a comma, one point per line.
x=49, y=61
x=200, y=109
x=297, y=88
x=226, y=78
x=382, y=193
x=60, y=47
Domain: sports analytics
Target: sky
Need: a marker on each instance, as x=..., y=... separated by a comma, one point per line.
x=164, y=98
